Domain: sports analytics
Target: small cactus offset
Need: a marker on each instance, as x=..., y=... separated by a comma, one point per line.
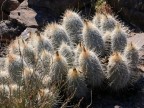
x=75, y=56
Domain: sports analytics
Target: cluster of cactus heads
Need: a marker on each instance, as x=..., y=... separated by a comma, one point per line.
x=78, y=55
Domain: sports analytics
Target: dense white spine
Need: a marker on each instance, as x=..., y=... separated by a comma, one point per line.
x=73, y=24
x=119, y=39
x=57, y=35
x=68, y=53
x=91, y=67
x=118, y=72
x=93, y=38
x=76, y=84
x=59, y=69
x=108, y=23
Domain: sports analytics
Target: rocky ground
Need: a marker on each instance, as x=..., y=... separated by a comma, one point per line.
x=19, y=17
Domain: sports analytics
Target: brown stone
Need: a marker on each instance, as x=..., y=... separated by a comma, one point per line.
x=35, y=13
x=10, y=5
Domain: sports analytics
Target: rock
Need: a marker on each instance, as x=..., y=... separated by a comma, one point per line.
x=10, y=5
x=24, y=15
x=10, y=29
x=20, y=1
x=59, y=6
x=131, y=10
x=4, y=16
x=27, y=31
x=137, y=39
x=32, y=17
x=35, y=13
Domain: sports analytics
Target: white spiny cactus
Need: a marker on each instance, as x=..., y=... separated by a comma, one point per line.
x=118, y=39
x=76, y=84
x=93, y=38
x=108, y=23
x=68, y=53
x=59, y=68
x=67, y=59
x=118, y=72
x=57, y=35
x=73, y=24
x=15, y=66
x=91, y=67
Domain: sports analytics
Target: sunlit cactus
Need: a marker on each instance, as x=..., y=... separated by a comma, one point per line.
x=44, y=62
x=68, y=53
x=69, y=59
x=97, y=20
x=93, y=38
x=57, y=35
x=107, y=41
x=29, y=54
x=76, y=84
x=44, y=44
x=108, y=23
x=118, y=72
x=27, y=75
x=131, y=54
x=59, y=69
x=15, y=90
x=15, y=66
x=132, y=58
x=73, y=24
x=91, y=67
x=118, y=39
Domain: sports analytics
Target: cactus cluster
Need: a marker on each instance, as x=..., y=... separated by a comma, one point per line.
x=77, y=55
